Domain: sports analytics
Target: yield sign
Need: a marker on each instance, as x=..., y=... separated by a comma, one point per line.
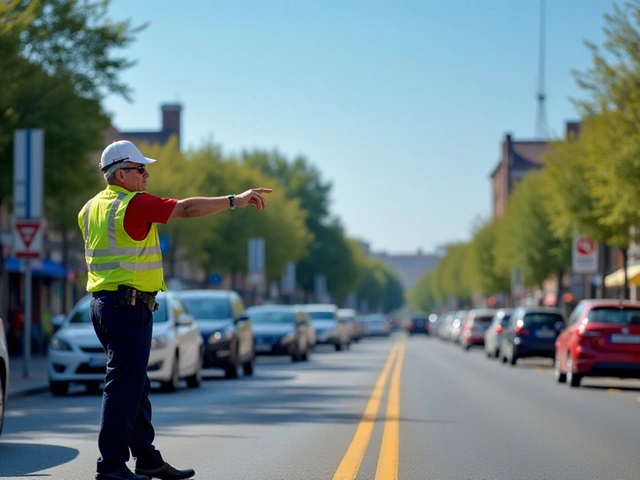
x=28, y=232
x=27, y=238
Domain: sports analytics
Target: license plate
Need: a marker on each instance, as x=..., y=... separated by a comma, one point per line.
x=545, y=333
x=99, y=361
x=263, y=348
x=615, y=338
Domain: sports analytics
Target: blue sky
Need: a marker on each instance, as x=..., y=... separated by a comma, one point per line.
x=401, y=105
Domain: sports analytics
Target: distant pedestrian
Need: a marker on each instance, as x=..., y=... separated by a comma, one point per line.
x=124, y=263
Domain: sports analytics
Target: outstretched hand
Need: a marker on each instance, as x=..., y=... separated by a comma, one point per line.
x=253, y=197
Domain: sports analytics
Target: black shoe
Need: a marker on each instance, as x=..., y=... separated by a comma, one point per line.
x=166, y=472
x=124, y=474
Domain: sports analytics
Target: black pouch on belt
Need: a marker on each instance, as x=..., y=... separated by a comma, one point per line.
x=126, y=296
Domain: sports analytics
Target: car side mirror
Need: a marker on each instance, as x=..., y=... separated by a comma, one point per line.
x=241, y=318
x=185, y=319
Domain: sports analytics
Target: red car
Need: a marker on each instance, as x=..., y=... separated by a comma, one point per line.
x=602, y=339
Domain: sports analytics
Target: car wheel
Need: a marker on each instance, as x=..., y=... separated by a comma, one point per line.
x=59, y=389
x=338, y=347
x=231, y=371
x=557, y=373
x=573, y=379
x=247, y=367
x=496, y=354
x=195, y=380
x=305, y=355
x=1, y=404
x=503, y=359
x=171, y=385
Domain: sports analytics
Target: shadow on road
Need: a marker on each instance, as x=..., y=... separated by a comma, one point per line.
x=22, y=459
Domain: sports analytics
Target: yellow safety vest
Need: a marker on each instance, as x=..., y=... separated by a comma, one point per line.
x=113, y=257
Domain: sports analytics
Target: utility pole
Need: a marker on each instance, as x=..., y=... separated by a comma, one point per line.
x=542, y=130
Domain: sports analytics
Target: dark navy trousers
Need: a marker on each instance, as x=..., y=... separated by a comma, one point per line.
x=125, y=420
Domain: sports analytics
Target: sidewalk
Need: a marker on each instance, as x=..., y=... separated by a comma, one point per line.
x=36, y=382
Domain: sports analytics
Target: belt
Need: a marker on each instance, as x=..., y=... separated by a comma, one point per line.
x=139, y=294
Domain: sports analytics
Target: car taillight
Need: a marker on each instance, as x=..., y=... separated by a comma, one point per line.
x=499, y=329
x=521, y=331
x=583, y=332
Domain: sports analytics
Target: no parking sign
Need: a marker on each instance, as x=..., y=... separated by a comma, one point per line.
x=584, y=254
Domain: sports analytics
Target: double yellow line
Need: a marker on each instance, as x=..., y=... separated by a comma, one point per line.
x=388, y=459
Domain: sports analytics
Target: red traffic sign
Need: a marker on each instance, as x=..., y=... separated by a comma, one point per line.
x=27, y=238
x=585, y=246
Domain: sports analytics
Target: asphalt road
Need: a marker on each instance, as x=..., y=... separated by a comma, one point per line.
x=407, y=408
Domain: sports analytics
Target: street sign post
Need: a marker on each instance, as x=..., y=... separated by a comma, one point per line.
x=28, y=155
x=584, y=254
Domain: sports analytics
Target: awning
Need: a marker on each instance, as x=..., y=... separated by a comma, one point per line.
x=39, y=268
x=616, y=279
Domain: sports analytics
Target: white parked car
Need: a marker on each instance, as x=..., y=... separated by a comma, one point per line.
x=4, y=372
x=76, y=355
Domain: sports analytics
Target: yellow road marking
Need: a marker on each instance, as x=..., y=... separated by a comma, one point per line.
x=388, y=461
x=638, y=399
x=613, y=390
x=350, y=464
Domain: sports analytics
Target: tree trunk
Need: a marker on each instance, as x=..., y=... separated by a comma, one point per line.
x=560, y=288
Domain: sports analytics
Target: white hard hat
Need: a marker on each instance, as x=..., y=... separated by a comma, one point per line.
x=121, y=151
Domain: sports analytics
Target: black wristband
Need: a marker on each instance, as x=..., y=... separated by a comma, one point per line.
x=231, y=198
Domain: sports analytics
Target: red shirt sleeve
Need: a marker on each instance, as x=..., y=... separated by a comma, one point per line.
x=145, y=209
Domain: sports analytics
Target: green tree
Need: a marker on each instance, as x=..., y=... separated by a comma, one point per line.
x=372, y=284
x=532, y=244
x=219, y=242
x=329, y=253
x=421, y=297
x=393, y=297
x=490, y=278
x=45, y=86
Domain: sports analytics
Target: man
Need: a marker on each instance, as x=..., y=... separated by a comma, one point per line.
x=124, y=263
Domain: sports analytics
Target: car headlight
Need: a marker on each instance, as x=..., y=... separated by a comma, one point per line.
x=158, y=343
x=57, y=344
x=288, y=338
x=221, y=335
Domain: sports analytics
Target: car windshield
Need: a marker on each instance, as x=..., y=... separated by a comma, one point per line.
x=81, y=315
x=160, y=315
x=483, y=319
x=623, y=316
x=539, y=319
x=271, y=317
x=207, y=307
x=321, y=315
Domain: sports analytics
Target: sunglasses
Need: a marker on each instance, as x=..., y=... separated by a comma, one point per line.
x=140, y=169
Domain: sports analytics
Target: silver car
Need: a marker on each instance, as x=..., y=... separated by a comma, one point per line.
x=76, y=356
x=493, y=335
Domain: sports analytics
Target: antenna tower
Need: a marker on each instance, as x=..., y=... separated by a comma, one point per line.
x=541, y=116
